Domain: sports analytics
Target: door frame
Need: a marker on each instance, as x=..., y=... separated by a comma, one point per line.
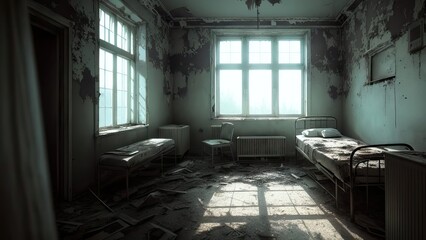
x=45, y=18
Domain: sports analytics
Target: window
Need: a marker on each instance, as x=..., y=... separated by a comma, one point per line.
x=259, y=76
x=118, y=84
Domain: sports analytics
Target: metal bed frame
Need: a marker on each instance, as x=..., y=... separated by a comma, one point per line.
x=303, y=123
x=169, y=152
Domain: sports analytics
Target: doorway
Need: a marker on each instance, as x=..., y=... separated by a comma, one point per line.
x=46, y=47
x=50, y=35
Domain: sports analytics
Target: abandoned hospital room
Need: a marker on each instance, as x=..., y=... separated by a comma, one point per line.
x=213, y=119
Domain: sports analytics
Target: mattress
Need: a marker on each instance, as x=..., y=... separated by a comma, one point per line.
x=136, y=153
x=334, y=154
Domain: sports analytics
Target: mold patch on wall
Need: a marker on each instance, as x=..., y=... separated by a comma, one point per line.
x=158, y=52
x=192, y=56
x=87, y=86
x=326, y=53
x=402, y=15
x=158, y=45
x=334, y=92
x=83, y=51
x=195, y=54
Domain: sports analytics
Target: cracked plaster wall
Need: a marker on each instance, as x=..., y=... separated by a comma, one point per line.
x=190, y=66
x=390, y=111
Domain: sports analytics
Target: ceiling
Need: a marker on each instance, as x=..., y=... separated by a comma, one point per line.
x=238, y=10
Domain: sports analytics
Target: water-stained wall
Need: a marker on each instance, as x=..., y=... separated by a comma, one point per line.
x=190, y=64
x=388, y=111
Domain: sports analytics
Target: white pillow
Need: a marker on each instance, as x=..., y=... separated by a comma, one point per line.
x=312, y=132
x=330, y=133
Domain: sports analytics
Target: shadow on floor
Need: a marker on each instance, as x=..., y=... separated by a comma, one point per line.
x=195, y=200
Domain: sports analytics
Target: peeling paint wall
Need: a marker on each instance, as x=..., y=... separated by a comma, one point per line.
x=326, y=70
x=190, y=65
x=390, y=111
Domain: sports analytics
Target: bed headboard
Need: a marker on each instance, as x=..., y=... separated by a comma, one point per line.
x=303, y=123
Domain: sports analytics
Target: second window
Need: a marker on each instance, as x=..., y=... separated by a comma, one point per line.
x=259, y=76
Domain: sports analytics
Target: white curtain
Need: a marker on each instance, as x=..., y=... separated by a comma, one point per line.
x=26, y=209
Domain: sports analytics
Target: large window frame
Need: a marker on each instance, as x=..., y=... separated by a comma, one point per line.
x=119, y=86
x=246, y=67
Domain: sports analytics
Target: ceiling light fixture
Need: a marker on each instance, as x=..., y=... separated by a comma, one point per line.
x=256, y=3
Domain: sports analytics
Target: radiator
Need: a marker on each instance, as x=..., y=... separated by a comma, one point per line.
x=179, y=133
x=215, y=131
x=405, y=195
x=260, y=146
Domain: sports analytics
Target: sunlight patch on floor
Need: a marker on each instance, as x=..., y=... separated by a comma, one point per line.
x=288, y=210
x=305, y=229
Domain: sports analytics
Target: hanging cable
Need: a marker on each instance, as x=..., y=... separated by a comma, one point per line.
x=257, y=7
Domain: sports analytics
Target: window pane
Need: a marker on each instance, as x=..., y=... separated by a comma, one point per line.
x=230, y=52
x=105, y=88
x=121, y=115
x=106, y=26
x=122, y=91
x=230, y=91
x=290, y=91
x=132, y=94
x=122, y=75
x=108, y=97
x=109, y=61
x=289, y=51
x=260, y=92
x=141, y=98
x=259, y=51
x=121, y=99
x=122, y=36
x=108, y=117
x=102, y=97
x=102, y=29
x=131, y=42
x=101, y=117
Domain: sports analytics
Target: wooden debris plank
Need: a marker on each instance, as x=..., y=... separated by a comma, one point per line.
x=100, y=200
x=295, y=176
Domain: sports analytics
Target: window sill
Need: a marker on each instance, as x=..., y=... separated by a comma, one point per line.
x=112, y=131
x=255, y=118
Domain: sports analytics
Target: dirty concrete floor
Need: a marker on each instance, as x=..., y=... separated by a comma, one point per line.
x=195, y=200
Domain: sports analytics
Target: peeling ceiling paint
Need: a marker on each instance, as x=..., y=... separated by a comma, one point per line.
x=240, y=12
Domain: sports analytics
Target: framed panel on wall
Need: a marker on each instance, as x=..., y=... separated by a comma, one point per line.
x=382, y=63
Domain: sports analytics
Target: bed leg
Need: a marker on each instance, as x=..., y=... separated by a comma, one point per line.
x=352, y=204
x=162, y=164
x=367, y=196
x=99, y=180
x=212, y=155
x=127, y=184
x=336, y=190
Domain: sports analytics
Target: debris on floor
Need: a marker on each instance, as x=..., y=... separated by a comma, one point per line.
x=194, y=200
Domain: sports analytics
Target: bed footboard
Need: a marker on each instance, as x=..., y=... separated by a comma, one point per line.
x=353, y=165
